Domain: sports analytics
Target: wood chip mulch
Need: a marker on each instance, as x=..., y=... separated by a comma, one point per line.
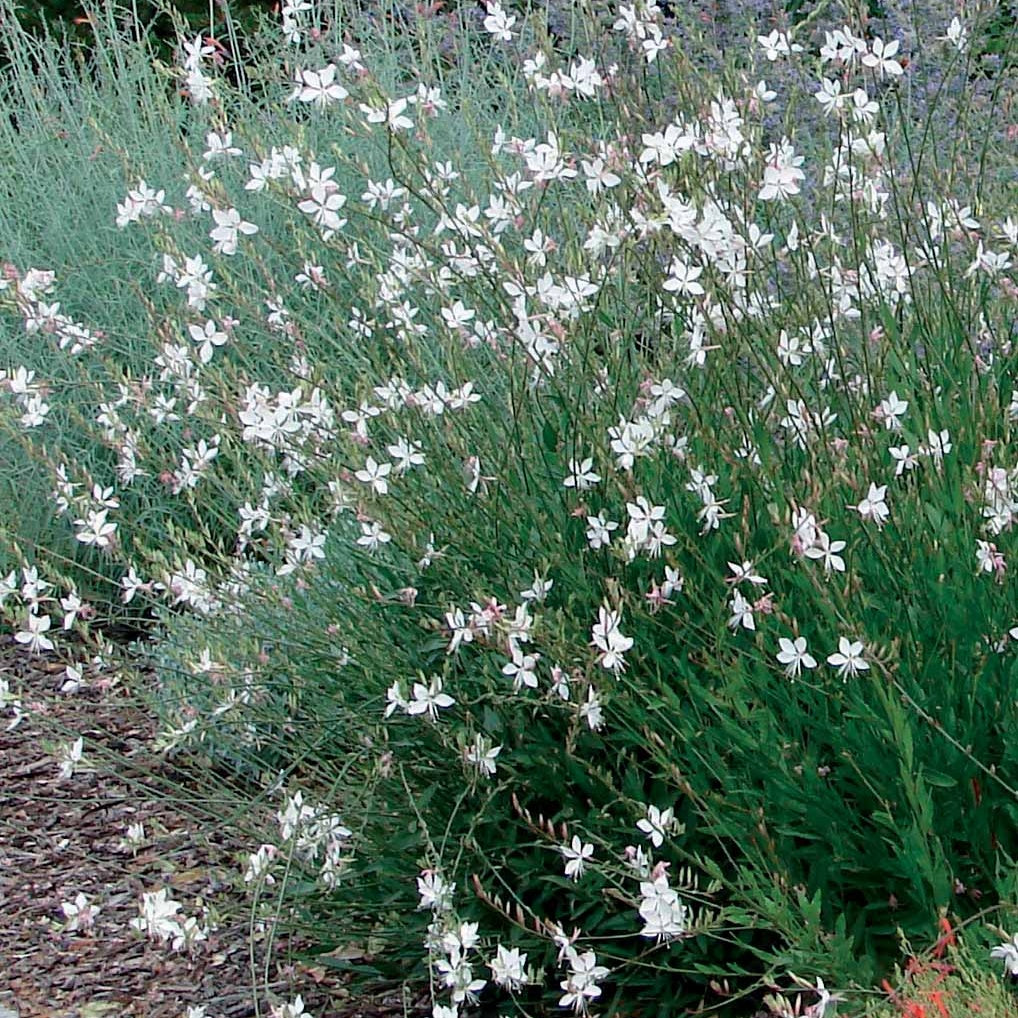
x=61, y=837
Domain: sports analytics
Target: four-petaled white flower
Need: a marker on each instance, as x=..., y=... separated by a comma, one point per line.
x=429, y=699
x=482, y=755
x=498, y=23
x=742, y=613
x=319, y=88
x=581, y=474
x=874, y=505
x=682, y=279
x=375, y=475
x=508, y=968
x=881, y=57
x=794, y=656
x=657, y=824
x=607, y=638
x=33, y=636
x=848, y=659
x=522, y=669
x=576, y=854
x=69, y=757
x=229, y=226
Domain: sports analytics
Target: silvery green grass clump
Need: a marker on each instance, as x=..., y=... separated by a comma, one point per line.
x=563, y=461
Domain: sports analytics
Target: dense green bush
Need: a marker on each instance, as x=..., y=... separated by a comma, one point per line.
x=583, y=502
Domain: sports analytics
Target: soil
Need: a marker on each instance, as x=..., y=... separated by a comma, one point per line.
x=59, y=837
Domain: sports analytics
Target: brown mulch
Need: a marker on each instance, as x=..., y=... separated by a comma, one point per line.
x=62, y=837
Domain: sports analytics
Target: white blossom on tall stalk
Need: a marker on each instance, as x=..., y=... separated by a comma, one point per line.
x=318, y=88
x=581, y=985
x=436, y=893
x=429, y=699
x=69, y=757
x=609, y=640
x=455, y=971
x=848, y=660
x=228, y=229
x=794, y=656
x=658, y=824
x=508, y=968
x=33, y=635
x=874, y=505
x=158, y=917
x=482, y=756
x=664, y=915
x=577, y=853
x=259, y=865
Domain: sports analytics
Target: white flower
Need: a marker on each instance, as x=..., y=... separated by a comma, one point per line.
x=80, y=913
x=891, y=411
x=391, y=115
x=581, y=474
x=319, y=88
x=436, y=893
x=746, y=572
x=73, y=679
x=848, y=660
x=957, y=35
x=904, y=459
x=576, y=854
x=538, y=590
x=874, y=505
x=158, y=915
x=482, y=755
x=599, y=531
x=742, y=612
x=777, y=45
x=508, y=968
x=429, y=699
x=407, y=453
x=219, y=145
x=581, y=986
x=258, y=865
x=827, y=550
x=794, y=656
x=522, y=669
x=94, y=529
x=373, y=536
x=591, y=712
x=33, y=636
x=208, y=337
x=657, y=824
x=605, y=636
x=498, y=23
x=782, y=174
x=134, y=837
x=375, y=475
x=682, y=279
x=830, y=96
x=1008, y=953
x=69, y=757
x=229, y=226
x=939, y=445
x=664, y=915
x=293, y=1010
x=881, y=57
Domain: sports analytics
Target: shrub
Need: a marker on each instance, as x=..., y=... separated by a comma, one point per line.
x=576, y=483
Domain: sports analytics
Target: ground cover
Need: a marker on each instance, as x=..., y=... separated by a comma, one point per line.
x=113, y=831
x=557, y=469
